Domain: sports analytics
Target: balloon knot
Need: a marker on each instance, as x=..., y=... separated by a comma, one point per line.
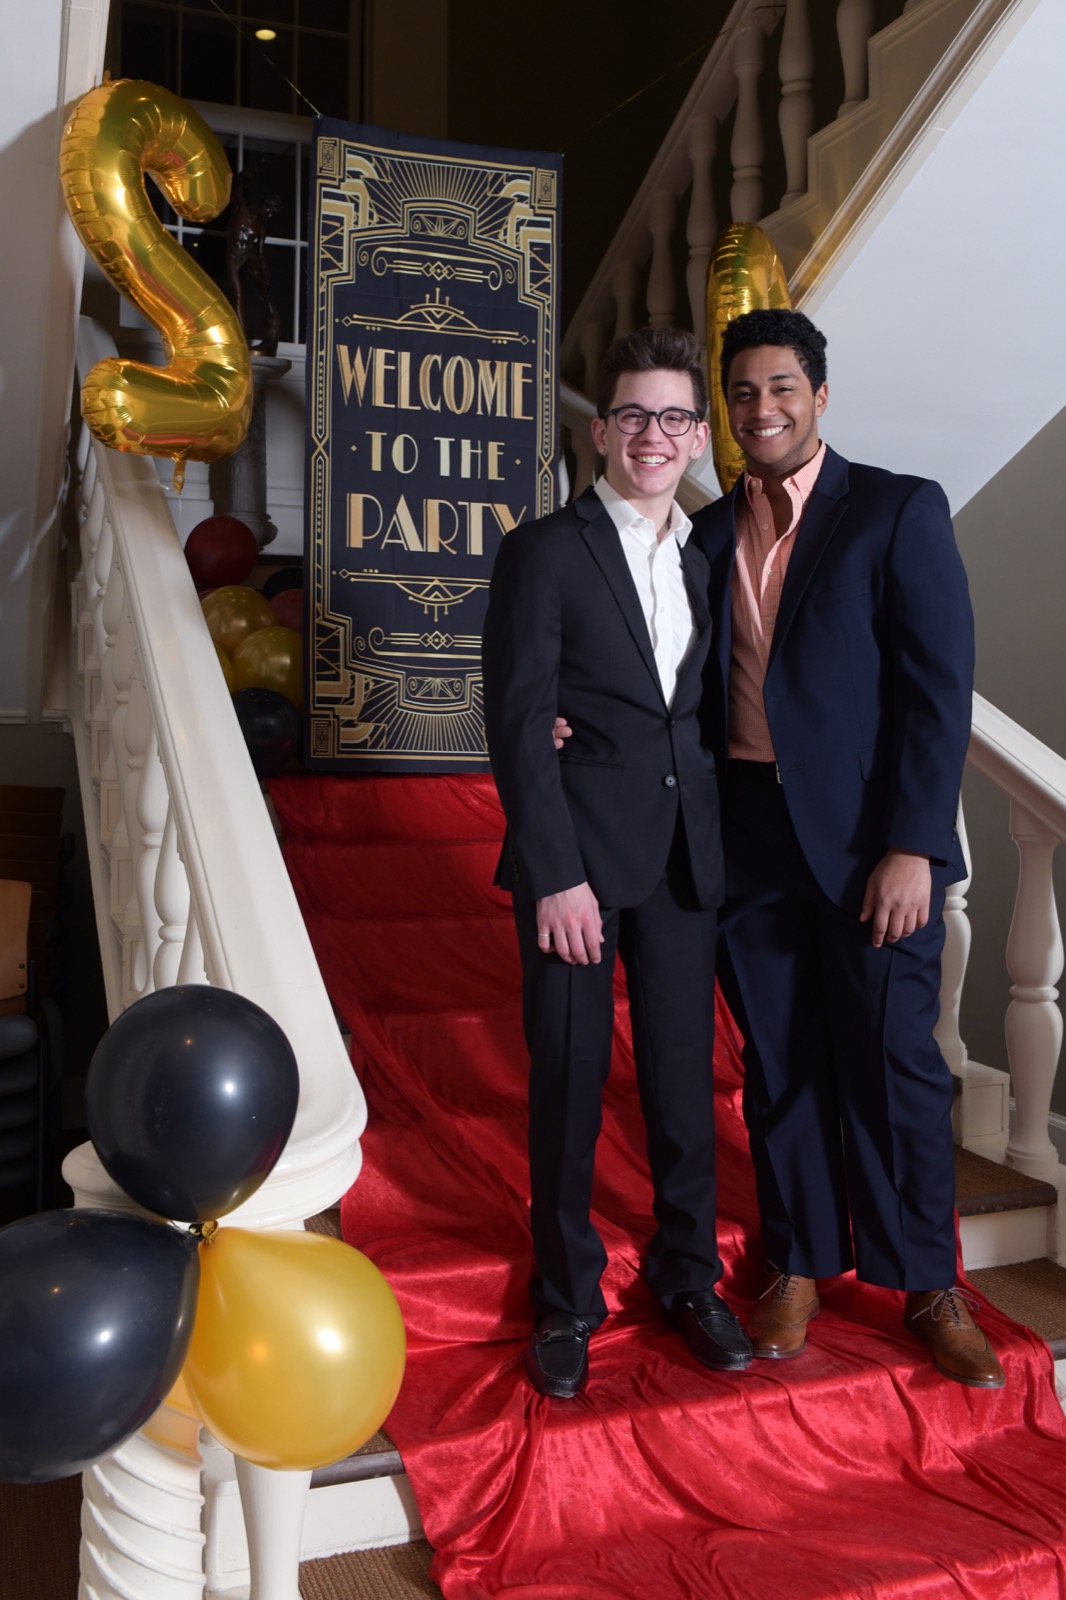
x=204, y=1231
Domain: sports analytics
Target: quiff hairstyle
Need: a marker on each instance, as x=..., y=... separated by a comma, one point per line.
x=653, y=350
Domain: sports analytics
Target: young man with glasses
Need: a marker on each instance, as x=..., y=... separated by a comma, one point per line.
x=613, y=848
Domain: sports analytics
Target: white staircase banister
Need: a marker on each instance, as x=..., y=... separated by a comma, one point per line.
x=1013, y=759
x=246, y=914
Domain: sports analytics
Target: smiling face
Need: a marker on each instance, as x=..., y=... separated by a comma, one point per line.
x=773, y=411
x=646, y=468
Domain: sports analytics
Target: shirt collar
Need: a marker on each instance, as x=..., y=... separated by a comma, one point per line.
x=624, y=515
x=802, y=480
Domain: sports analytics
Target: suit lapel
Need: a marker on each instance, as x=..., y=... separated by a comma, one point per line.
x=601, y=537
x=827, y=503
x=697, y=583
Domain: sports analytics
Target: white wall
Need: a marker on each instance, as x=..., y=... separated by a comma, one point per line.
x=1013, y=539
x=53, y=52
x=936, y=363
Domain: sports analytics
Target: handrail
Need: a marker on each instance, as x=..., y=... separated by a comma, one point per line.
x=1026, y=770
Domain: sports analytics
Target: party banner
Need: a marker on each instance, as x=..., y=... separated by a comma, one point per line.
x=431, y=421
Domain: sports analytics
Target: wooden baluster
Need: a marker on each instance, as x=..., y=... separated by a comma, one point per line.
x=953, y=964
x=1034, y=1021
x=702, y=220
x=746, y=148
x=273, y=1504
x=855, y=24
x=624, y=282
x=98, y=701
x=192, y=968
x=172, y=906
x=126, y=910
x=593, y=344
x=99, y=575
x=87, y=487
x=662, y=290
x=153, y=806
x=796, y=112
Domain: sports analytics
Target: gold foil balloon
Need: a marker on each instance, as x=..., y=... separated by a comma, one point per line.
x=745, y=274
x=234, y=612
x=298, y=1347
x=198, y=406
x=271, y=658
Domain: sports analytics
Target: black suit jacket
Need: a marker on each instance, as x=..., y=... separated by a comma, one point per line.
x=869, y=688
x=565, y=632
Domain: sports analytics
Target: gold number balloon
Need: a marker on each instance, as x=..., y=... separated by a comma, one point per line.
x=198, y=406
x=745, y=274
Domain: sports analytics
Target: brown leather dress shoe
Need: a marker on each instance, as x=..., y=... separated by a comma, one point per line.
x=778, y=1326
x=960, y=1350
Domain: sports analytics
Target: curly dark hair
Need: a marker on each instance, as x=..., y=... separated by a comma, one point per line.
x=791, y=329
x=653, y=350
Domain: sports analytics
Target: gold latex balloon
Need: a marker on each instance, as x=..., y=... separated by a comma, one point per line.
x=271, y=658
x=232, y=613
x=198, y=406
x=745, y=274
x=227, y=668
x=298, y=1347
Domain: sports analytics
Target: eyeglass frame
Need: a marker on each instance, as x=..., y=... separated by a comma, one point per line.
x=694, y=419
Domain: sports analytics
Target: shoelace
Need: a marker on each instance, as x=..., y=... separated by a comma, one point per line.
x=780, y=1286
x=945, y=1306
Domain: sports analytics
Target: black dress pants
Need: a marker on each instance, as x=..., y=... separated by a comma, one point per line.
x=667, y=947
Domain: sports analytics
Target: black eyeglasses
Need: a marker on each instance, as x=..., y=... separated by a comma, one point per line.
x=634, y=419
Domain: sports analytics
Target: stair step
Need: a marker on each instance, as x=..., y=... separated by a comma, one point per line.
x=983, y=1186
x=1033, y=1293
x=400, y=1571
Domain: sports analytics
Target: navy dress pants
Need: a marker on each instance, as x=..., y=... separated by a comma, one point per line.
x=847, y=1098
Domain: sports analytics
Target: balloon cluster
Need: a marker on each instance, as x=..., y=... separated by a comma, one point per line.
x=257, y=637
x=291, y=1346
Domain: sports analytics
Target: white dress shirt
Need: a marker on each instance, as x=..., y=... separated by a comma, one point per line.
x=655, y=565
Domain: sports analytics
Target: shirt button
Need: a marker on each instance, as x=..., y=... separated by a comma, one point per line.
x=669, y=782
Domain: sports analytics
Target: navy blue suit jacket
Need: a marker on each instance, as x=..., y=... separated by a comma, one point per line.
x=869, y=688
x=565, y=631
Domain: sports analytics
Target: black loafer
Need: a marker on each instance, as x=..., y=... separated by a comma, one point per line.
x=711, y=1331
x=557, y=1356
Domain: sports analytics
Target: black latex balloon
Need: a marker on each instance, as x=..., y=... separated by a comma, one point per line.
x=283, y=578
x=96, y=1310
x=190, y=1098
x=271, y=727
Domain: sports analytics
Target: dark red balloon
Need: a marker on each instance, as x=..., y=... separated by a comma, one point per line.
x=220, y=551
x=288, y=608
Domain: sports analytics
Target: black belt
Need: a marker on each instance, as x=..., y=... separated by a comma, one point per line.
x=763, y=771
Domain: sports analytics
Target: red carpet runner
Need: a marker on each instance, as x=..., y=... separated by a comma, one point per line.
x=852, y=1471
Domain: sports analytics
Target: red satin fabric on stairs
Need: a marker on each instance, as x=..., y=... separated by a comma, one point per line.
x=854, y=1471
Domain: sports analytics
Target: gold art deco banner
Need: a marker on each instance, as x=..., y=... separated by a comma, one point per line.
x=431, y=422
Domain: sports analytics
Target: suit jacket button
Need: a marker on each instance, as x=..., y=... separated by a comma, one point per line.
x=669, y=782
